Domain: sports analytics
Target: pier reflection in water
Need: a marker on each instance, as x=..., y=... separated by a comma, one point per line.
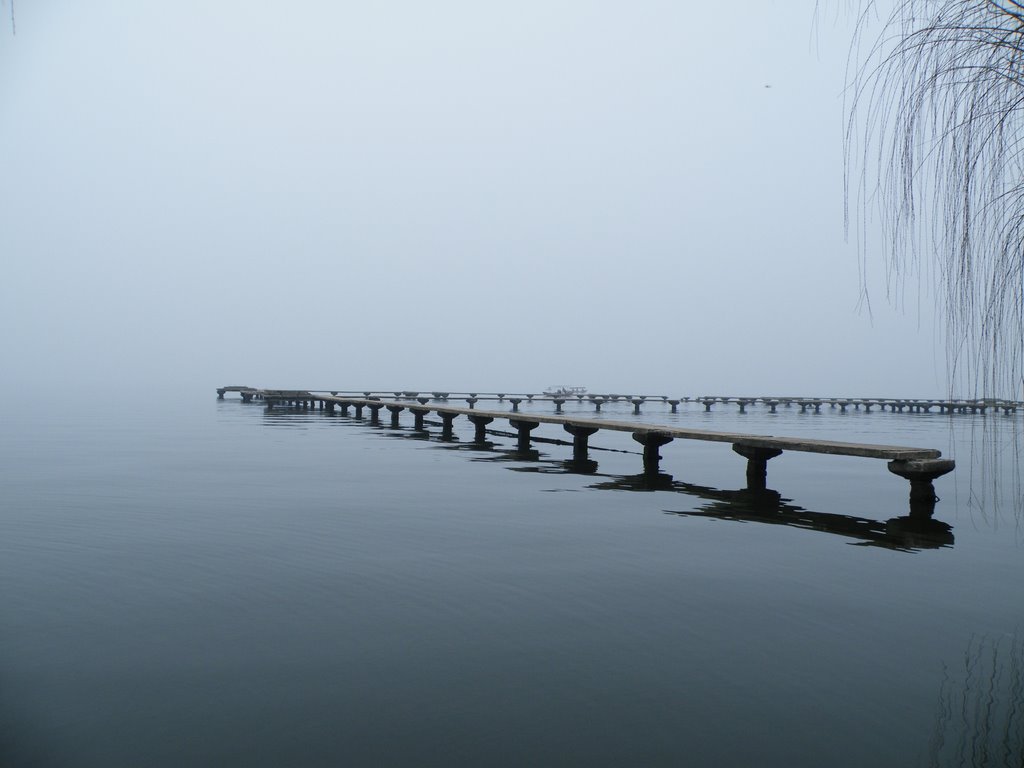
x=904, y=533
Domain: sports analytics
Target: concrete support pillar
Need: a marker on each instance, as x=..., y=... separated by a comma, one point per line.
x=652, y=441
x=343, y=407
x=480, y=423
x=674, y=404
x=471, y=401
x=817, y=406
x=597, y=404
x=375, y=412
x=515, y=402
x=358, y=409
x=580, y=439
x=220, y=394
x=921, y=473
x=422, y=400
x=708, y=404
x=558, y=405
x=743, y=405
x=329, y=405
x=395, y=410
x=636, y=405
x=418, y=414
x=321, y=405
x=523, y=428
x=842, y=406
x=757, y=464
x=447, y=431
x=772, y=405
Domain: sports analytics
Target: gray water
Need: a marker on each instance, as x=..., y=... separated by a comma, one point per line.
x=201, y=582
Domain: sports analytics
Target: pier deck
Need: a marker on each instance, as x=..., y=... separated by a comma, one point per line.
x=890, y=452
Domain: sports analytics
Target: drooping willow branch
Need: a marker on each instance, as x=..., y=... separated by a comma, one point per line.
x=935, y=146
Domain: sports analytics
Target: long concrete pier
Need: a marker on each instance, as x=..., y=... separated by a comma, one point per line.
x=920, y=466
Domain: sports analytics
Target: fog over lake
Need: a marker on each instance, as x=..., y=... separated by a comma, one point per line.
x=447, y=195
x=642, y=198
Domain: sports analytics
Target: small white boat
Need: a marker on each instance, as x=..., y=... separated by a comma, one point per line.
x=561, y=390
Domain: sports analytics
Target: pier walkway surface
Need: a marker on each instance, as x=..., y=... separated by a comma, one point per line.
x=921, y=466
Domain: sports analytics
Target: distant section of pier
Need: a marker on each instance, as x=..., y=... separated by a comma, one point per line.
x=920, y=466
x=709, y=402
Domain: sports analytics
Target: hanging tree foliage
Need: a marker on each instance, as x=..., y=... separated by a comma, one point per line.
x=935, y=145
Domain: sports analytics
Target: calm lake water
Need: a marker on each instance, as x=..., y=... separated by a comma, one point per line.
x=200, y=582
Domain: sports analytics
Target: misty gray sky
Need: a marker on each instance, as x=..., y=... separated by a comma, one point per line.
x=455, y=195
